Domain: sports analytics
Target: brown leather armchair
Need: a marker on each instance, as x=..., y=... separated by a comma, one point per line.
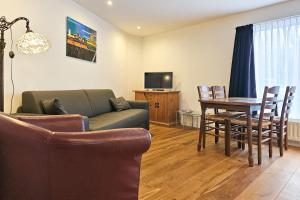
x=60, y=162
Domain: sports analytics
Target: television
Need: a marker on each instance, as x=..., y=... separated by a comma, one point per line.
x=158, y=80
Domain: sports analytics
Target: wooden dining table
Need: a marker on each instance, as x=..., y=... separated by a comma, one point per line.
x=246, y=105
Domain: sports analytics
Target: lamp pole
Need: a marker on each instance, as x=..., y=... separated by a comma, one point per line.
x=5, y=25
x=2, y=47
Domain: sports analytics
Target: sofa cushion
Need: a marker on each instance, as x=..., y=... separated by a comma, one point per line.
x=53, y=107
x=119, y=104
x=74, y=101
x=99, y=100
x=123, y=119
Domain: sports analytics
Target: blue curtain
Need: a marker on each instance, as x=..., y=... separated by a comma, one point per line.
x=242, y=80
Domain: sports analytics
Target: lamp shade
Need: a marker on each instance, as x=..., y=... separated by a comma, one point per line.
x=32, y=43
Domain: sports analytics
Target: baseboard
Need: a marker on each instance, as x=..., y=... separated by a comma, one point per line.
x=294, y=143
x=162, y=123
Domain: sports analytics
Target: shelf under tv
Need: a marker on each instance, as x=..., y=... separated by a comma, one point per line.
x=163, y=105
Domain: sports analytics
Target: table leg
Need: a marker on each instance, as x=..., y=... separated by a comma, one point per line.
x=249, y=134
x=202, y=130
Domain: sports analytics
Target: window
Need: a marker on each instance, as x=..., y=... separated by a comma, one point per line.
x=277, y=56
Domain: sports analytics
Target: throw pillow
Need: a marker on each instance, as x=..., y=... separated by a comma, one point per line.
x=53, y=107
x=120, y=104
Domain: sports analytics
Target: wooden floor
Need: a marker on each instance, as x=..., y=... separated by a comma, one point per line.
x=173, y=169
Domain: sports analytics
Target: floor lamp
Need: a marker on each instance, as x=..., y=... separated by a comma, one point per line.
x=29, y=43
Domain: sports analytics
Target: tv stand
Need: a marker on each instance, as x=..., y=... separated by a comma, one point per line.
x=163, y=105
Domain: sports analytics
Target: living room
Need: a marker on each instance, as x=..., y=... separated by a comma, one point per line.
x=159, y=133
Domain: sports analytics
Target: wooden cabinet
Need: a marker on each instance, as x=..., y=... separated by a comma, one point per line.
x=163, y=105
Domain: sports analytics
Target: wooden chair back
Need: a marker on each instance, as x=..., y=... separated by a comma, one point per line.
x=269, y=104
x=205, y=92
x=219, y=92
x=287, y=102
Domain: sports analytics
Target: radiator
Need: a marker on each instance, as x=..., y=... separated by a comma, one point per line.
x=294, y=132
x=293, y=129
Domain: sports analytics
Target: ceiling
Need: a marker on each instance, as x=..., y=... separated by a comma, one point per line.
x=155, y=16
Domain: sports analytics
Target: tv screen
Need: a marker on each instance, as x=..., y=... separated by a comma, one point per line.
x=159, y=80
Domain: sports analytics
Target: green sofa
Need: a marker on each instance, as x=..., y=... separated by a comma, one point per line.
x=93, y=105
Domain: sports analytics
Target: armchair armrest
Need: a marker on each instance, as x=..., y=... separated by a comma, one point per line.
x=66, y=123
x=100, y=165
x=35, y=117
x=86, y=123
x=134, y=140
x=139, y=104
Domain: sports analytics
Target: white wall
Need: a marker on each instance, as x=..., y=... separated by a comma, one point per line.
x=118, y=54
x=202, y=54
x=197, y=54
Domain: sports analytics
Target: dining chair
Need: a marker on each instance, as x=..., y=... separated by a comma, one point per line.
x=262, y=126
x=281, y=123
x=216, y=120
x=206, y=92
x=219, y=92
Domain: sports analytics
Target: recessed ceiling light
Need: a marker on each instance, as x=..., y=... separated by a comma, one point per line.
x=109, y=2
x=138, y=28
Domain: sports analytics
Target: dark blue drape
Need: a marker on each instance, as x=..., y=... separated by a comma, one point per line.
x=242, y=80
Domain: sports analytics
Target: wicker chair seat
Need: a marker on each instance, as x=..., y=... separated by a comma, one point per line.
x=220, y=117
x=255, y=122
x=215, y=117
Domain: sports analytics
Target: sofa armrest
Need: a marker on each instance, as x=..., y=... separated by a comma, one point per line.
x=139, y=104
x=100, y=165
x=66, y=123
x=20, y=109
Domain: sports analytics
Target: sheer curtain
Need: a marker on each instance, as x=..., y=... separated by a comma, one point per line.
x=277, y=56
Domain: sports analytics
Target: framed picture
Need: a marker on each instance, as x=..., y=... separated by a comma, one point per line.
x=81, y=41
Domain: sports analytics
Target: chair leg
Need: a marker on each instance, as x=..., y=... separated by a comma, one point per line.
x=204, y=136
x=271, y=141
x=286, y=143
x=259, y=146
x=239, y=143
x=201, y=133
x=281, y=145
x=217, y=126
x=281, y=141
x=286, y=137
x=243, y=143
x=240, y=138
x=278, y=135
x=204, y=140
x=227, y=138
x=200, y=139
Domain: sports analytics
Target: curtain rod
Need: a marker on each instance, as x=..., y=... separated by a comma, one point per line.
x=272, y=20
